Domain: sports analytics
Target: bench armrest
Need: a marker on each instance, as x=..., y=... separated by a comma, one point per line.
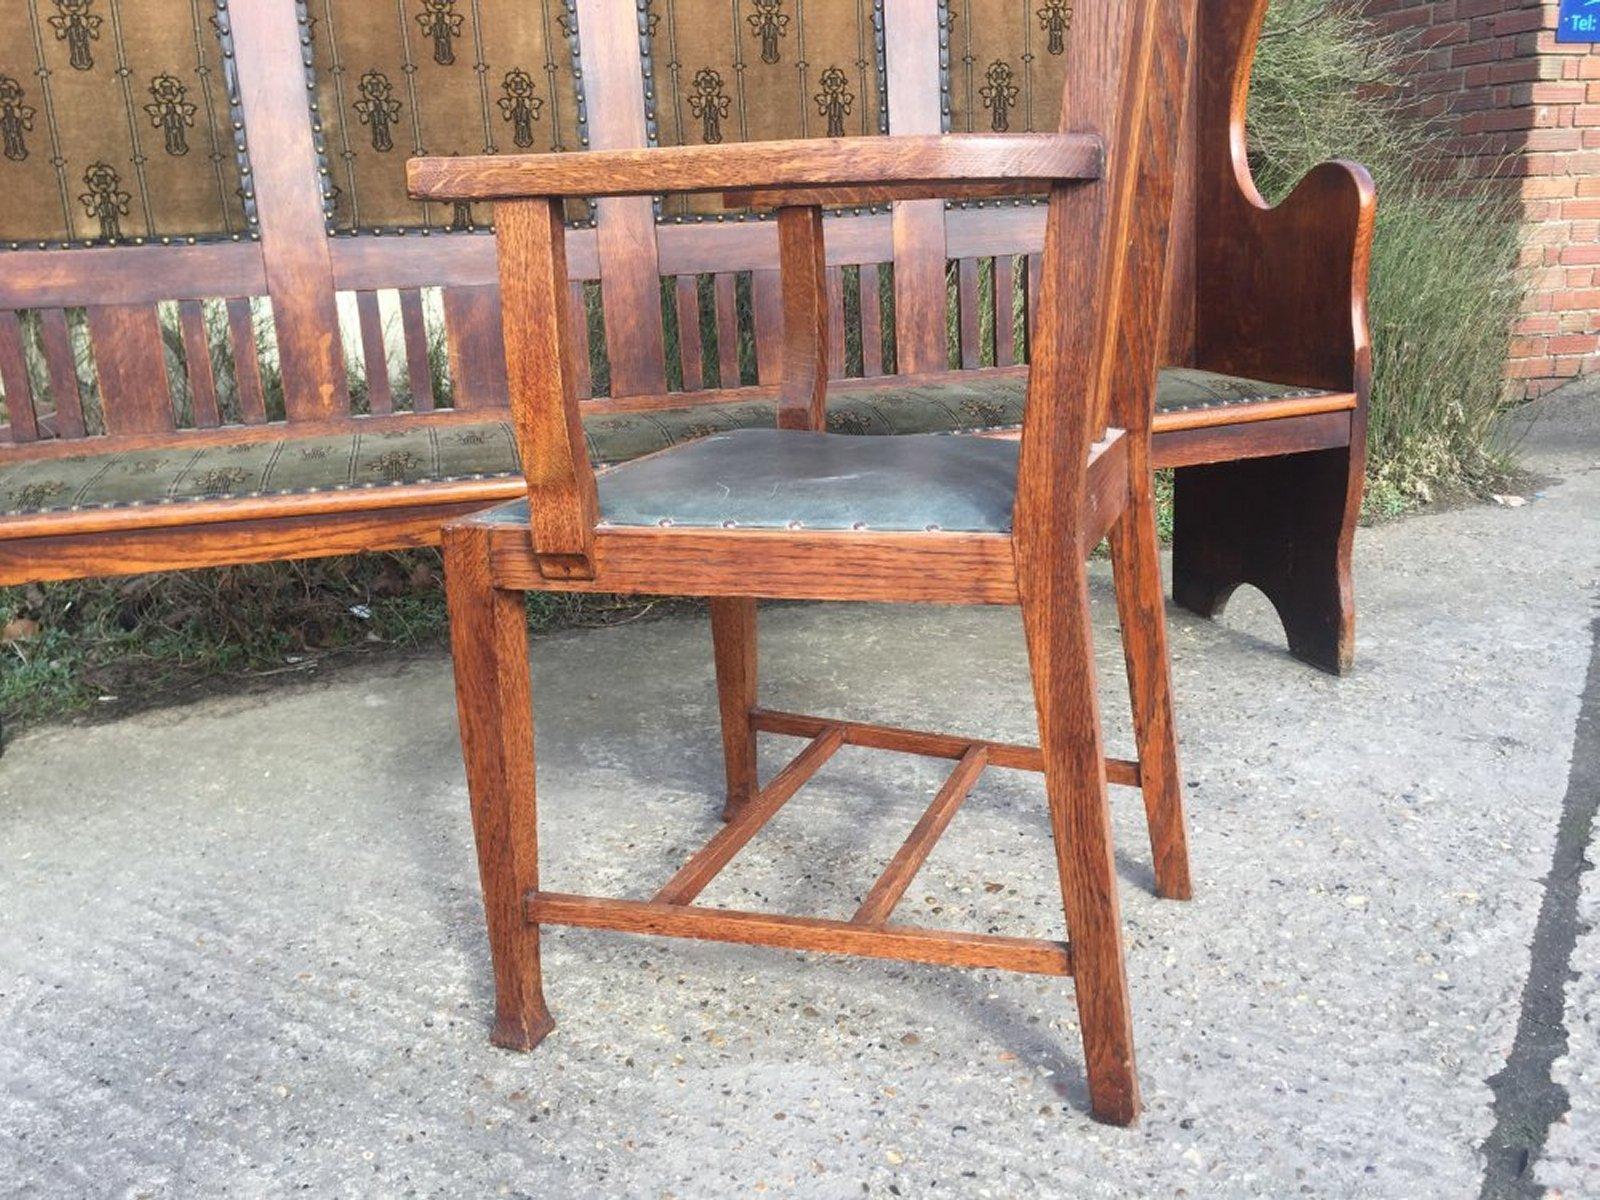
x=913, y=167
x=1283, y=289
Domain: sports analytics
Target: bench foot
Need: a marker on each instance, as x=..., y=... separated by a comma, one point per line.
x=1284, y=525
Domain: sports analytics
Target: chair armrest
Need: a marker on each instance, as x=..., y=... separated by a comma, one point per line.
x=922, y=166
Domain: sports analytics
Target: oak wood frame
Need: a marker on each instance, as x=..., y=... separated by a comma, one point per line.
x=1084, y=472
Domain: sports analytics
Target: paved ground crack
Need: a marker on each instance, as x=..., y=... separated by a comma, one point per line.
x=1527, y=1101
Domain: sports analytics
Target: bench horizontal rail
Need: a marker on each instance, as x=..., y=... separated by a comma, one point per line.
x=930, y=159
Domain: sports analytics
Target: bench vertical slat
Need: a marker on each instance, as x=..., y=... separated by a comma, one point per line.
x=1031, y=313
x=625, y=226
x=582, y=350
x=246, y=361
x=970, y=319
x=380, y=397
x=1005, y=310
x=766, y=296
x=476, y=346
x=836, y=357
x=130, y=364
x=871, y=321
x=418, y=371
x=288, y=195
x=911, y=40
x=203, y=406
x=689, y=350
x=55, y=343
x=727, y=294
x=14, y=375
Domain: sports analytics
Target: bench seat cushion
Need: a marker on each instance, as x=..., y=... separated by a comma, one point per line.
x=435, y=451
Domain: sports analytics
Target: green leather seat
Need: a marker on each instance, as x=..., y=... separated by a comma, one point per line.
x=792, y=479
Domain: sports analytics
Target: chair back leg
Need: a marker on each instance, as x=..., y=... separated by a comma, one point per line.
x=1141, y=611
x=494, y=700
x=733, y=642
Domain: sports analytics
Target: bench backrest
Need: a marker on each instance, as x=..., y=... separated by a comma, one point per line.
x=142, y=343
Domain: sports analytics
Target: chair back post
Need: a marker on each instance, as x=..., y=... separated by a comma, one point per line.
x=1104, y=257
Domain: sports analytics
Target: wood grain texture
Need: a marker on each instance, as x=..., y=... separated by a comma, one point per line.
x=246, y=361
x=934, y=568
x=544, y=400
x=1076, y=331
x=23, y=425
x=130, y=274
x=1141, y=613
x=489, y=646
x=55, y=344
x=197, y=365
x=841, y=195
x=916, y=109
x=1099, y=275
x=1281, y=288
x=476, y=347
x=733, y=641
x=691, y=354
x=727, y=304
x=691, y=879
x=803, y=386
x=414, y=333
x=919, y=741
x=288, y=196
x=625, y=227
x=134, y=550
x=131, y=366
x=374, y=353
x=923, y=162
x=951, y=948
x=879, y=903
x=1281, y=524
x=1254, y=439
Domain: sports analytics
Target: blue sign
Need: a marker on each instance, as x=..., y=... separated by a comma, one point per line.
x=1579, y=21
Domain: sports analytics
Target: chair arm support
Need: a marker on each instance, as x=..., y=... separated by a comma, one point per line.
x=802, y=265
x=921, y=165
x=531, y=241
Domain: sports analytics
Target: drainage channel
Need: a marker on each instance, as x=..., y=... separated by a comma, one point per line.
x=1527, y=1101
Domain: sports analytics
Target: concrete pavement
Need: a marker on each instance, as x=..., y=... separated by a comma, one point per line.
x=241, y=950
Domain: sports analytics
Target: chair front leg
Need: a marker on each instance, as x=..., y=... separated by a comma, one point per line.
x=494, y=699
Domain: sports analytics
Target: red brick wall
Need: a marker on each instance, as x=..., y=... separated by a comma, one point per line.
x=1506, y=98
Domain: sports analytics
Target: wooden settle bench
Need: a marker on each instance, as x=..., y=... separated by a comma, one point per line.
x=177, y=459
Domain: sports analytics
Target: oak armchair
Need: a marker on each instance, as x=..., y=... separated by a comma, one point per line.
x=794, y=512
